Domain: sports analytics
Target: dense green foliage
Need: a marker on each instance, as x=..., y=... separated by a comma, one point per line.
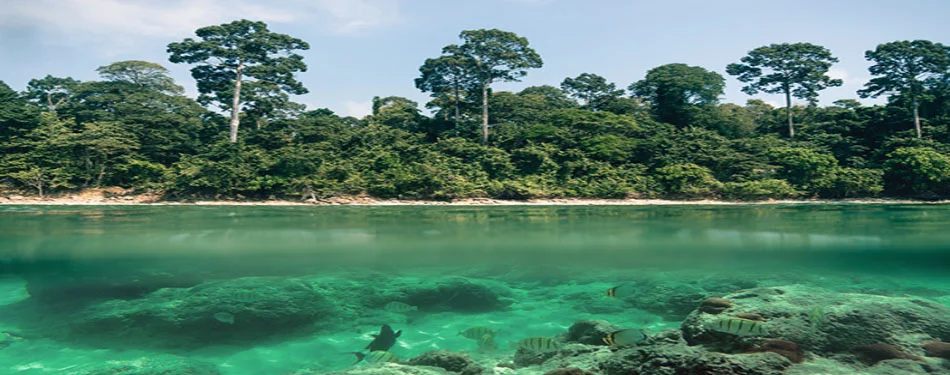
x=672, y=138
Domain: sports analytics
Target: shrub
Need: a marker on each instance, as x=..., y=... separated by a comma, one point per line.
x=759, y=190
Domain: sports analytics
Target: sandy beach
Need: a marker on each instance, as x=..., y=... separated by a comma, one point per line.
x=116, y=196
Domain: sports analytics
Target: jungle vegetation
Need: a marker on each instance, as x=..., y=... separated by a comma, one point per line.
x=667, y=135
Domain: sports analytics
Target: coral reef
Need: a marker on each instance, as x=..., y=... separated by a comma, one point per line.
x=259, y=308
x=682, y=359
x=846, y=320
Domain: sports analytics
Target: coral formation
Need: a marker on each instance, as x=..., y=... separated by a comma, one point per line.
x=715, y=305
x=448, y=360
x=787, y=349
x=589, y=332
x=874, y=353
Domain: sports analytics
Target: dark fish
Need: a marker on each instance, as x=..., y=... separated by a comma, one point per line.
x=384, y=340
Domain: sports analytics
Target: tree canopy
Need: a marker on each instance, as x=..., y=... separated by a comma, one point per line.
x=229, y=54
x=582, y=137
x=795, y=69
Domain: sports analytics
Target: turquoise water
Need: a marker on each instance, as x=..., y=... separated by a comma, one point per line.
x=302, y=287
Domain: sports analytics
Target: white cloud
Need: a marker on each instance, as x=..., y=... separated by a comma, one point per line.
x=848, y=78
x=357, y=109
x=123, y=22
x=354, y=15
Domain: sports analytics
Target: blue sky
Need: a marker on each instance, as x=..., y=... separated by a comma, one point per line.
x=362, y=48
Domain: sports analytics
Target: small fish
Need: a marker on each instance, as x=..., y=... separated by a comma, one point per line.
x=384, y=340
x=376, y=356
x=399, y=307
x=224, y=317
x=620, y=291
x=476, y=333
x=738, y=327
x=539, y=344
x=625, y=337
x=487, y=342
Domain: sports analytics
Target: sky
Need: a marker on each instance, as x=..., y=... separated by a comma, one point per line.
x=365, y=48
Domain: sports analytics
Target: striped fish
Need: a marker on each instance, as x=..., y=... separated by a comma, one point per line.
x=376, y=356
x=539, y=344
x=399, y=307
x=476, y=333
x=738, y=327
x=620, y=291
x=625, y=337
x=487, y=342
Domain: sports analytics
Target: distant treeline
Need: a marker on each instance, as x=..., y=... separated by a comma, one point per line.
x=666, y=135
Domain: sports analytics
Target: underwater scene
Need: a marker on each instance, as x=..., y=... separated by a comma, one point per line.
x=678, y=289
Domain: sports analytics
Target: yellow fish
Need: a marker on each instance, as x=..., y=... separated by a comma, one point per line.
x=738, y=327
x=625, y=337
x=539, y=344
x=476, y=333
x=620, y=291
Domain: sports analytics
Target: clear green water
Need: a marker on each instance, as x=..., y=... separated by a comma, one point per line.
x=543, y=260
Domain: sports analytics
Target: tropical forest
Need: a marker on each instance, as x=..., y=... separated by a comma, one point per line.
x=667, y=135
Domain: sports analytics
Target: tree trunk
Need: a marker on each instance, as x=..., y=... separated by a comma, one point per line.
x=788, y=111
x=917, y=117
x=485, y=113
x=456, y=100
x=102, y=172
x=236, y=105
x=49, y=102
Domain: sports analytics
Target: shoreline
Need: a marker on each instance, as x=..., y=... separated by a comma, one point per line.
x=98, y=198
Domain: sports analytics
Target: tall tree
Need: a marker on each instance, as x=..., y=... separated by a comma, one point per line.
x=673, y=89
x=229, y=54
x=593, y=89
x=16, y=117
x=907, y=68
x=448, y=78
x=494, y=55
x=143, y=74
x=795, y=69
x=51, y=91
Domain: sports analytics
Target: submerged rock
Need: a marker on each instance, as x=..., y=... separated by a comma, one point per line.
x=683, y=359
x=154, y=365
x=381, y=369
x=448, y=360
x=825, y=321
x=872, y=354
x=234, y=311
x=589, y=332
x=674, y=299
x=458, y=294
